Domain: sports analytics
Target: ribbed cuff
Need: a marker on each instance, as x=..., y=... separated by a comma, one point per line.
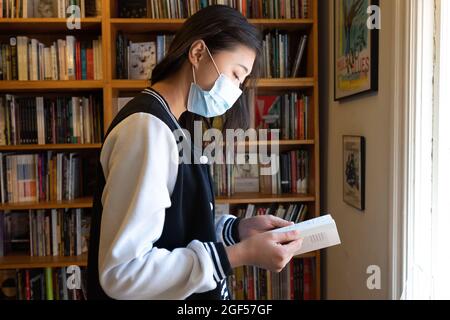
x=230, y=232
x=222, y=267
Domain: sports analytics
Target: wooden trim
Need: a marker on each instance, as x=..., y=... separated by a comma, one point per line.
x=45, y=147
x=45, y=25
x=284, y=84
x=27, y=262
x=85, y=202
x=57, y=85
x=258, y=198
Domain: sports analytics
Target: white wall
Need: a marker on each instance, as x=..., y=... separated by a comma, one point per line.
x=365, y=236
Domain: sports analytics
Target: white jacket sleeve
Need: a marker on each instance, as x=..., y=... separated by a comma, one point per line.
x=140, y=176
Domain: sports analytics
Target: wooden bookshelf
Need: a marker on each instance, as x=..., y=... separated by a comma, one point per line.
x=85, y=202
x=45, y=25
x=257, y=198
x=145, y=25
x=51, y=85
x=111, y=89
x=27, y=262
x=56, y=147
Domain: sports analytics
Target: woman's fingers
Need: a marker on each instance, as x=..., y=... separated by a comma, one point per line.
x=294, y=246
x=279, y=223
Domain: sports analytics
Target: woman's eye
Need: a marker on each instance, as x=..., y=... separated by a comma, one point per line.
x=236, y=77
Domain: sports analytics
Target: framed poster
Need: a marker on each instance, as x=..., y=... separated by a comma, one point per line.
x=354, y=151
x=355, y=49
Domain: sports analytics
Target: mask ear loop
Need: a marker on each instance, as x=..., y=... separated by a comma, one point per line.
x=193, y=74
x=215, y=65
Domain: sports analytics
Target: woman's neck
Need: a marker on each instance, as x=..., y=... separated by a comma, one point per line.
x=175, y=91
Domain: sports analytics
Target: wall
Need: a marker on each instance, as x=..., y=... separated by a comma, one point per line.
x=365, y=236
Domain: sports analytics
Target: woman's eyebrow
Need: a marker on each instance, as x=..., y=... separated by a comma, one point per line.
x=244, y=67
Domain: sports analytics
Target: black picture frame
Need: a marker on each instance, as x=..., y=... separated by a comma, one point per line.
x=354, y=171
x=368, y=55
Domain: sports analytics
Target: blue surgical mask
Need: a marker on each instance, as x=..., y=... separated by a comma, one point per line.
x=216, y=101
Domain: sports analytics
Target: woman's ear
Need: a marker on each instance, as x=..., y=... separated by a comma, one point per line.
x=197, y=52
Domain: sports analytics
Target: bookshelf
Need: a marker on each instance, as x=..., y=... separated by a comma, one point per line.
x=110, y=89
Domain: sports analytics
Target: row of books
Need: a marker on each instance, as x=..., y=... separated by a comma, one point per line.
x=47, y=176
x=50, y=120
x=55, y=232
x=175, y=9
x=43, y=284
x=26, y=58
x=290, y=113
x=286, y=173
x=295, y=212
x=279, y=58
x=136, y=60
x=295, y=282
x=48, y=8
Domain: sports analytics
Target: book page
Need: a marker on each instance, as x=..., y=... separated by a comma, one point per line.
x=317, y=233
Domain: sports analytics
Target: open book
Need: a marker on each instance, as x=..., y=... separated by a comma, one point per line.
x=317, y=233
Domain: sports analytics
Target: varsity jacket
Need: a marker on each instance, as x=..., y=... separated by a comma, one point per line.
x=154, y=233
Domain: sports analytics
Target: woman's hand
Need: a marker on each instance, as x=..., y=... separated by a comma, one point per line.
x=268, y=250
x=258, y=224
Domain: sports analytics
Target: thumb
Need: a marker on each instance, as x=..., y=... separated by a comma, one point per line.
x=283, y=237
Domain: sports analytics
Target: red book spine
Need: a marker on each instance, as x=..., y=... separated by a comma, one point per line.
x=78, y=60
x=90, y=63
x=250, y=283
x=307, y=280
x=301, y=119
x=27, y=285
x=291, y=280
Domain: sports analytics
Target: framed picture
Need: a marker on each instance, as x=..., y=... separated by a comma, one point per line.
x=354, y=152
x=355, y=49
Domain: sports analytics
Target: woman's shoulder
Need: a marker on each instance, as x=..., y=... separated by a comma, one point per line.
x=142, y=103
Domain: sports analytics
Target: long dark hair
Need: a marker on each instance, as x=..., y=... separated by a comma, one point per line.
x=221, y=28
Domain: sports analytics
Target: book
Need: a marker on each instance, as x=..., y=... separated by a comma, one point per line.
x=142, y=60
x=267, y=9
x=23, y=58
x=43, y=8
x=246, y=177
x=318, y=233
x=299, y=56
x=136, y=60
x=132, y=8
x=47, y=8
x=38, y=117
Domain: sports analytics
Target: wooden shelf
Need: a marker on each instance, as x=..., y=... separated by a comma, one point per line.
x=58, y=85
x=313, y=254
x=45, y=147
x=280, y=142
x=257, y=198
x=285, y=84
x=130, y=84
x=77, y=203
x=152, y=25
x=27, y=262
x=46, y=25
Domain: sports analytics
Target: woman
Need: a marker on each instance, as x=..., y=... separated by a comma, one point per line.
x=154, y=234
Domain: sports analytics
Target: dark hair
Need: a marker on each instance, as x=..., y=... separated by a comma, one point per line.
x=221, y=28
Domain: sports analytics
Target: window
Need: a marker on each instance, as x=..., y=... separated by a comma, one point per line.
x=428, y=218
